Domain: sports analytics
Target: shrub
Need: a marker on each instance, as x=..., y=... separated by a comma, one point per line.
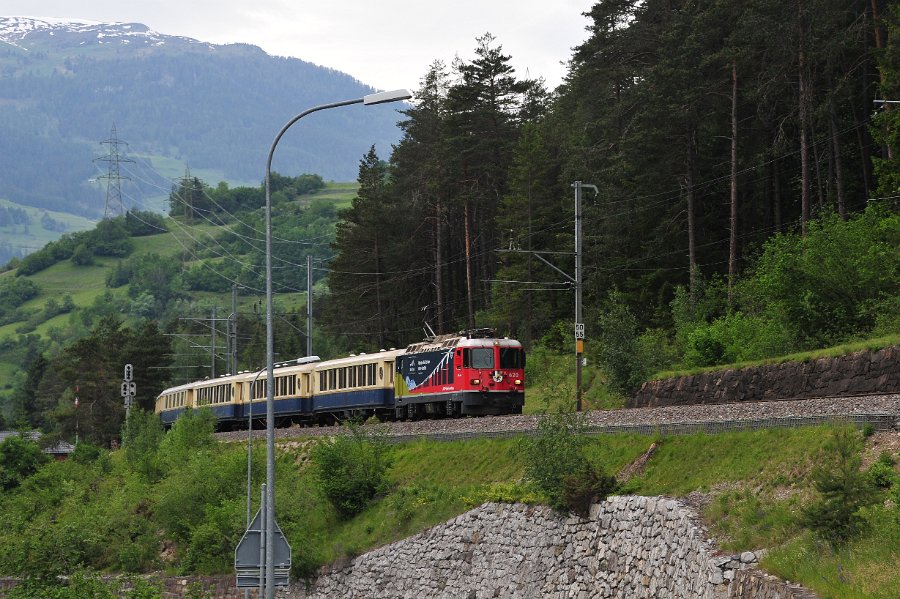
x=82, y=256
x=736, y=337
x=843, y=490
x=142, y=436
x=585, y=487
x=191, y=434
x=351, y=469
x=19, y=459
x=557, y=466
x=85, y=453
x=881, y=473
x=110, y=238
x=213, y=541
x=797, y=277
x=139, y=223
x=558, y=337
x=617, y=351
x=187, y=494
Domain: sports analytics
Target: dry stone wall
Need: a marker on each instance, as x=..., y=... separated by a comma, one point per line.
x=857, y=373
x=628, y=547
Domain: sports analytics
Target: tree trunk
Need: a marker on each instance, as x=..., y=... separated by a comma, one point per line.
x=820, y=196
x=838, y=170
x=776, y=195
x=378, y=296
x=469, y=290
x=864, y=153
x=732, y=243
x=439, y=265
x=879, y=45
x=804, y=142
x=689, y=189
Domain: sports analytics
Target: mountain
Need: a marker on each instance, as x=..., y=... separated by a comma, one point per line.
x=176, y=101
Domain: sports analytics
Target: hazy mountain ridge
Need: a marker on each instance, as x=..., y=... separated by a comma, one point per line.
x=64, y=84
x=40, y=33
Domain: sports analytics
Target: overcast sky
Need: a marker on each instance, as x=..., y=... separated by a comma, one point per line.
x=387, y=44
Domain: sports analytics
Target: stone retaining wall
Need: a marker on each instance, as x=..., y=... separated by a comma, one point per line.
x=628, y=547
x=858, y=373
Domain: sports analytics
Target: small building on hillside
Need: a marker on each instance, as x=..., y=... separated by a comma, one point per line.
x=59, y=450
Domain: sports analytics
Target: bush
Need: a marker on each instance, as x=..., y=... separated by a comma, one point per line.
x=843, y=488
x=191, y=434
x=139, y=223
x=351, y=469
x=557, y=466
x=828, y=284
x=585, y=487
x=213, y=541
x=192, y=495
x=82, y=256
x=881, y=473
x=736, y=338
x=110, y=238
x=85, y=453
x=19, y=459
x=142, y=436
x=617, y=351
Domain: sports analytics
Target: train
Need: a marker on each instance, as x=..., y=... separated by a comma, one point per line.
x=470, y=373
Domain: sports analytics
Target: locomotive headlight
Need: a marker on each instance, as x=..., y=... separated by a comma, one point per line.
x=476, y=381
x=518, y=381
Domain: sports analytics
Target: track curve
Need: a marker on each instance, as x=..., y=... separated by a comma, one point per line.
x=885, y=409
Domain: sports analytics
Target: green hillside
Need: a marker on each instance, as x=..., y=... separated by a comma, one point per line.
x=34, y=229
x=176, y=503
x=68, y=298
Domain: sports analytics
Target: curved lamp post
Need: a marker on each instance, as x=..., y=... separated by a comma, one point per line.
x=369, y=100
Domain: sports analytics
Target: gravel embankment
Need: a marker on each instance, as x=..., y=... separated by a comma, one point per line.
x=832, y=406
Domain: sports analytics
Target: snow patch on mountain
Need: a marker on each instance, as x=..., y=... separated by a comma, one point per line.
x=17, y=30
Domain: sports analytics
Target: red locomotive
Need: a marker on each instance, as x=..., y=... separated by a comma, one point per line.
x=469, y=373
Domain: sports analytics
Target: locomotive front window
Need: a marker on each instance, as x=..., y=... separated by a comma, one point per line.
x=479, y=358
x=511, y=357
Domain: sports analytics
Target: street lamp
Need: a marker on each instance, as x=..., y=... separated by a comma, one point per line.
x=369, y=100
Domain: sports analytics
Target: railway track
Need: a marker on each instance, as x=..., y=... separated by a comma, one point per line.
x=881, y=411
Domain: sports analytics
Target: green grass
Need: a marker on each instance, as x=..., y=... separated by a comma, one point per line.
x=872, y=344
x=175, y=168
x=34, y=236
x=340, y=193
x=766, y=459
x=550, y=380
x=431, y=483
x=867, y=568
